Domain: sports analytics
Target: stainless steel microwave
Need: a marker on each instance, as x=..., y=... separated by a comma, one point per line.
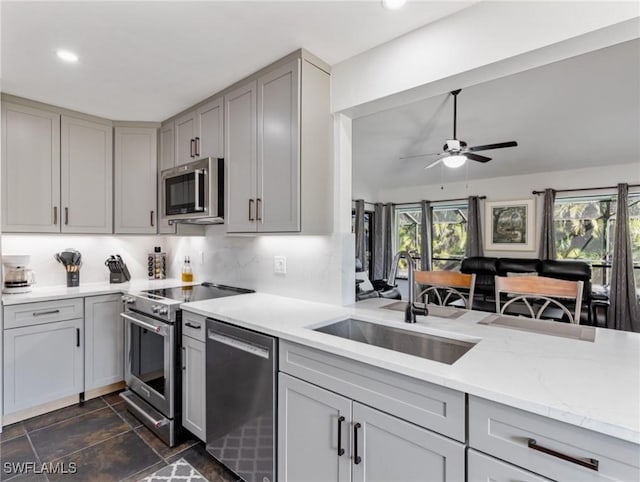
x=194, y=192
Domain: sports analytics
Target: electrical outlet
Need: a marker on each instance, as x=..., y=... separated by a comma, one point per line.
x=280, y=264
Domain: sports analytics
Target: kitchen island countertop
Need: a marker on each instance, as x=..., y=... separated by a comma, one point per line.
x=594, y=385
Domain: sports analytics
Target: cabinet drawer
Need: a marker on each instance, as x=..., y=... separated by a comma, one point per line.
x=194, y=325
x=29, y=314
x=484, y=468
x=510, y=434
x=431, y=406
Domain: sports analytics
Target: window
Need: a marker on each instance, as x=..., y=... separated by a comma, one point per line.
x=449, y=235
x=585, y=229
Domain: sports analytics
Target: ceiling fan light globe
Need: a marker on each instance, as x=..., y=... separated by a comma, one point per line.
x=454, y=161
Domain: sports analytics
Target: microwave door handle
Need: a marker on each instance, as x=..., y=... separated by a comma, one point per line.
x=196, y=205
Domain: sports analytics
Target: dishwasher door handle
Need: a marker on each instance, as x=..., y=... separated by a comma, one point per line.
x=239, y=344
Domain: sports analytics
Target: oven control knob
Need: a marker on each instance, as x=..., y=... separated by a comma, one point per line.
x=128, y=300
x=163, y=311
x=155, y=308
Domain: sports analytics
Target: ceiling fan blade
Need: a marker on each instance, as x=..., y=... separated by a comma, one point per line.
x=413, y=156
x=476, y=157
x=434, y=163
x=488, y=147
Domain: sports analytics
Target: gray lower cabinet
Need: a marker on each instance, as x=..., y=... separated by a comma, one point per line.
x=193, y=386
x=308, y=427
x=483, y=468
x=104, y=341
x=42, y=362
x=314, y=424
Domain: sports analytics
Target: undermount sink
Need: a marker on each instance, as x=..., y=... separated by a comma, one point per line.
x=431, y=347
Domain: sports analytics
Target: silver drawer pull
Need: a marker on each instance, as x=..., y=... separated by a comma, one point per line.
x=42, y=313
x=588, y=463
x=190, y=325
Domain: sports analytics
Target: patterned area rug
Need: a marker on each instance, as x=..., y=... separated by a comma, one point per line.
x=179, y=471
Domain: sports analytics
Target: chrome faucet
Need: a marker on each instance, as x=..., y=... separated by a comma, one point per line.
x=412, y=309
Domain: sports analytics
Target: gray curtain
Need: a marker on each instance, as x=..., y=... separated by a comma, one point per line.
x=425, y=244
x=624, y=310
x=474, y=229
x=379, y=225
x=389, y=210
x=359, y=232
x=548, y=234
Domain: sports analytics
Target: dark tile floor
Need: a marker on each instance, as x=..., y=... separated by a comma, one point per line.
x=102, y=440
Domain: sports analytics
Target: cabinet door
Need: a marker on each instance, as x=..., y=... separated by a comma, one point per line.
x=30, y=170
x=210, y=130
x=240, y=158
x=483, y=468
x=278, y=195
x=104, y=341
x=87, y=176
x=167, y=160
x=308, y=418
x=42, y=363
x=193, y=387
x=392, y=449
x=185, y=130
x=135, y=180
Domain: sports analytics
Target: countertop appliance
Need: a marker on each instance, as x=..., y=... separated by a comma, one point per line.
x=153, y=332
x=17, y=277
x=194, y=192
x=241, y=373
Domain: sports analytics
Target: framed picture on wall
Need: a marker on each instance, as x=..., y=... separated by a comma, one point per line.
x=510, y=225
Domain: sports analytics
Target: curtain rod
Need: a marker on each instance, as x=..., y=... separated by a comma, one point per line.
x=418, y=202
x=585, y=189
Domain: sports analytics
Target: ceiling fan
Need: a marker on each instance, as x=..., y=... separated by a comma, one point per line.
x=455, y=152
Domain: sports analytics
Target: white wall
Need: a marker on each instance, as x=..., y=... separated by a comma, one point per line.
x=507, y=36
x=520, y=187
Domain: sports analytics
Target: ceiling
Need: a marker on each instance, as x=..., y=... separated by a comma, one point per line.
x=150, y=60
x=580, y=112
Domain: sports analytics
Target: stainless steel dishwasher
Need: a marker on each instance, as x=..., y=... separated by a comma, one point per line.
x=241, y=399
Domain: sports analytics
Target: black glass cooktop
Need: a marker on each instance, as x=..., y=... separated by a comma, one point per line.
x=205, y=291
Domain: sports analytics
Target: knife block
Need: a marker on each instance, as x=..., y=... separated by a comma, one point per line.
x=117, y=278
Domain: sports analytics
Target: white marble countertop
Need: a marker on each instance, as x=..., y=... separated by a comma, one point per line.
x=49, y=293
x=595, y=385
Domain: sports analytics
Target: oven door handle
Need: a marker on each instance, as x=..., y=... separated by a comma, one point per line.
x=156, y=423
x=156, y=329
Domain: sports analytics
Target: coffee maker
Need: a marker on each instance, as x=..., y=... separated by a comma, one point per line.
x=18, y=278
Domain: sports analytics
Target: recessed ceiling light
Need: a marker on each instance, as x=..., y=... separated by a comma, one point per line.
x=67, y=56
x=393, y=4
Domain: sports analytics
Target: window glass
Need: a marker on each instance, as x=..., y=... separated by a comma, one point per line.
x=449, y=236
x=585, y=230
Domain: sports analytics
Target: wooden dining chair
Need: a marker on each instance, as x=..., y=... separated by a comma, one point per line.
x=537, y=293
x=443, y=287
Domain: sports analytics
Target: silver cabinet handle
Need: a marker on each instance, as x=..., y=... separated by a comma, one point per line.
x=191, y=148
x=42, y=313
x=197, y=146
x=55, y=215
x=66, y=215
x=259, y=209
x=250, y=208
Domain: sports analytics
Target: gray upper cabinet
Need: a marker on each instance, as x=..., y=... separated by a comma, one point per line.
x=166, y=160
x=199, y=133
x=135, y=182
x=30, y=169
x=240, y=158
x=87, y=176
x=287, y=186
x=278, y=190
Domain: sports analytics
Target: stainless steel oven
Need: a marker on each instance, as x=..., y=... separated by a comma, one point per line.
x=194, y=192
x=151, y=372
